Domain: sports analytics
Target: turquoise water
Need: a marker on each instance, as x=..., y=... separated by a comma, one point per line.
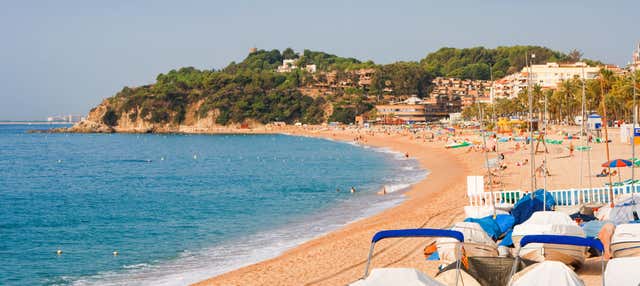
x=177, y=208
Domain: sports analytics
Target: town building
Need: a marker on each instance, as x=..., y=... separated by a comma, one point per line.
x=65, y=118
x=550, y=74
x=510, y=86
x=351, y=78
x=466, y=90
x=547, y=76
x=635, y=64
x=412, y=109
x=442, y=106
x=288, y=65
x=311, y=68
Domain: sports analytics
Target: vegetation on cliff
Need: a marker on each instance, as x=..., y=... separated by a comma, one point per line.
x=253, y=90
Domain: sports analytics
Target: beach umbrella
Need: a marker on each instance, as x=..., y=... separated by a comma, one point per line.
x=617, y=163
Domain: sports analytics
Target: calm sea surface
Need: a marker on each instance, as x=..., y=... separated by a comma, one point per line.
x=177, y=208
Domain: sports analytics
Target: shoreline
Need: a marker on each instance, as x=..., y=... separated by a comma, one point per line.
x=337, y=257
x=360, y=208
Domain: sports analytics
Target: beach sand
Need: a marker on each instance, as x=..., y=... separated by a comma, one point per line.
x=338, y=258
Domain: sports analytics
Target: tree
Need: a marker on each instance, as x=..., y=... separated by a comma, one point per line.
x=288, y=53
x=574, y=56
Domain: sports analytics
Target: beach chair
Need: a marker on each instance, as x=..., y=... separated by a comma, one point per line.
x=401, y=275
x=549, y=266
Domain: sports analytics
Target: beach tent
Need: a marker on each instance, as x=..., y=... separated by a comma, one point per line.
x=397, y=276
x=623, y=272
x=547, y=273
x=622, y=212
x=526, y=206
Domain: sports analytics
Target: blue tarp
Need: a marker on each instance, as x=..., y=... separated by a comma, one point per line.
x=494, y=227
x=507, y=241
x=524, y=208
x=505, y=222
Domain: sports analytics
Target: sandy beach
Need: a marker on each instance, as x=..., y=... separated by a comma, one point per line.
x=338, y=258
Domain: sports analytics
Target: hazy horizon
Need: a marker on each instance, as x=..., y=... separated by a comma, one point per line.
x=64, y=58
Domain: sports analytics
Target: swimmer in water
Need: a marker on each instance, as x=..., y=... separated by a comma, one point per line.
x=406, y=155
x=353, y=190
x=383, y=191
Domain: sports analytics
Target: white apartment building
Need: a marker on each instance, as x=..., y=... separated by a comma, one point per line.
x=290, y=64
x=287, y=65
x=548, y=76
x=636, y=58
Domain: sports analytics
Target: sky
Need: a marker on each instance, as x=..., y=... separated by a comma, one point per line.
x=65, y=57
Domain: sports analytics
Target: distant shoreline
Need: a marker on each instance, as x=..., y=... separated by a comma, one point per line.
x=34, y=123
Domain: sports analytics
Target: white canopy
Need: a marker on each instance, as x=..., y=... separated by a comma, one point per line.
x=547, y=273
x=473, y=233
x=623, y=271
x=549, y=222
x=397, y=276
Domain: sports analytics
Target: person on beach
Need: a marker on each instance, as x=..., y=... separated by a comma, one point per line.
x=353, y=190
x=383, y=191
x=406, y=154
x=571, y=148
x=603, y=173
x=523, y=162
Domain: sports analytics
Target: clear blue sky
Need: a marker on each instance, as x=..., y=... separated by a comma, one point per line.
x=59, y=57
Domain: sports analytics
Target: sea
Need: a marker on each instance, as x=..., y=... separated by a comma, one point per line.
x=176, y=209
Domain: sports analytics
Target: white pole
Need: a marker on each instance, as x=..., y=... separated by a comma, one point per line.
x=531, y=151
x=486, y=158
x=546, y=163
x=633, y=143
x=582, y=133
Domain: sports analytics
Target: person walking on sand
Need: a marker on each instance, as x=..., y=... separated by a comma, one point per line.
x=571, y=148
